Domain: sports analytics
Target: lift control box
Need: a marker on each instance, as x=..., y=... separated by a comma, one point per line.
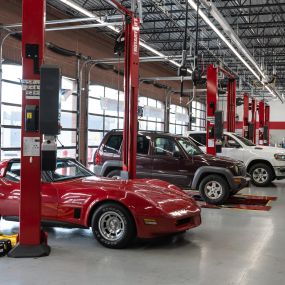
x=50, y=88
x=31, y=118
x=218, y=129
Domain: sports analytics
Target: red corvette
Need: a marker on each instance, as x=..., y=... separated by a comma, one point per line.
x=116, y=210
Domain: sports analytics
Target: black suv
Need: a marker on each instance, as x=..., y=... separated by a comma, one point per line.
x=175, y=159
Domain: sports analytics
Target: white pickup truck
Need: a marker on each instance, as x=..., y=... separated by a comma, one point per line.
x=264, y=163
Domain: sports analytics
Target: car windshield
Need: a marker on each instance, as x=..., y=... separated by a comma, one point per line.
x=68, y=169
x=189, y=146
x=244, y=140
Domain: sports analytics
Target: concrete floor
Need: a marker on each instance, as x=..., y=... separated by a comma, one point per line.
x=231, y=247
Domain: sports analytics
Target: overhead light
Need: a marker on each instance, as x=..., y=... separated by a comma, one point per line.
x=230, y=46
x=142, y=43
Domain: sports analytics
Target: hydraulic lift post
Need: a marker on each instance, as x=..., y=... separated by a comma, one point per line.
x=212, y=100
x=231, y=105
x=253, y=118
x=261, y=112
x=32, y=242
x=245, y=115
x=131, y=96
x=131, y=85
x=267, y=124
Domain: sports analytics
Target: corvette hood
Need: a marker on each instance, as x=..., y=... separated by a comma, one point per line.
x=163, y=195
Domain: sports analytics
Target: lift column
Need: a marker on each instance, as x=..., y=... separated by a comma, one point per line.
x=32, y=242
x=245, y=115
x=267, y=125
x=231, y=105
x=131, y=96
x=261, y=112
x=212, y=99
x=253, y=119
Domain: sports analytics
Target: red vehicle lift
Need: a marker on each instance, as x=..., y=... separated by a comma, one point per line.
x=267, y=125
x=253, y=119
x=131, y=79
x=231, y=105
x=212, y=101
x=261, y=112
x=245, y=115
x=32, y=242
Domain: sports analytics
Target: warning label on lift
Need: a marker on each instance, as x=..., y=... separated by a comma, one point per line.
x=32, y=88
x=31, y=146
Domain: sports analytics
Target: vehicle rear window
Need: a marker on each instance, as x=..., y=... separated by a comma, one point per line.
x=113, y=144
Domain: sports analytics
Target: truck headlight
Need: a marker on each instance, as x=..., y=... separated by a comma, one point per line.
x=279, y=156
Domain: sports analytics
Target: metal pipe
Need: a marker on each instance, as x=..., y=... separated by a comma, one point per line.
x=75, y=27
x=87, y=26
x=53, y=22
x=169, y=78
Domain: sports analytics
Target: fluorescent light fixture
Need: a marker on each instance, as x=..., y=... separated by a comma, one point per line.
x=142, y=43
x=230, y=46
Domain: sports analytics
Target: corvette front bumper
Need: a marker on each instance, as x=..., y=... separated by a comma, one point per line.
x=166, y=226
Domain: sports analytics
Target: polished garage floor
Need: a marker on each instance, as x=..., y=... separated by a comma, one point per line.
x=232, y=247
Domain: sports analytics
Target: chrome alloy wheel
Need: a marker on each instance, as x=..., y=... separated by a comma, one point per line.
x=214, y=190
x=111, y=226
x=260, y=175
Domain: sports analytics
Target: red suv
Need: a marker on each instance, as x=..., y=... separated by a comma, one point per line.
x=175, y=159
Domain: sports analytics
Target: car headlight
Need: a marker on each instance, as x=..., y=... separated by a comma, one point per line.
x=279, y=156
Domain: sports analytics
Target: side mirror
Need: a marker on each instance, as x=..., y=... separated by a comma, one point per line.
x=177, y=154
x=233, y=143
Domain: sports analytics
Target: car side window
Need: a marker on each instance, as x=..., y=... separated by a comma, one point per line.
x=142, y=145
x=113, y=144
x=165, y=146
x=13, y=172
x=227, y=142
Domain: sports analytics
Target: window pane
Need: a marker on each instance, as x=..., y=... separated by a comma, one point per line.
x=10, y=154
x=11, y=137
x=68, y=120
x=111, y=123
x=67, y=138
x=142, y=125
x=172, y=128
x=94, y=106
x=94, y=138
x=11, y=115
x=111, y=93
x=96, y=91
x=12, y=72
x=95, y=122
x=66, y=153
x=91, y=153
x=69, y=102
x=160, y=127
x=151, y=126
x=11, y=93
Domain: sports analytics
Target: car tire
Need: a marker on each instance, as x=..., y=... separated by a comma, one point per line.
x=114, y=173
x=113, y=226
x=261, y=174
x=214, y=189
